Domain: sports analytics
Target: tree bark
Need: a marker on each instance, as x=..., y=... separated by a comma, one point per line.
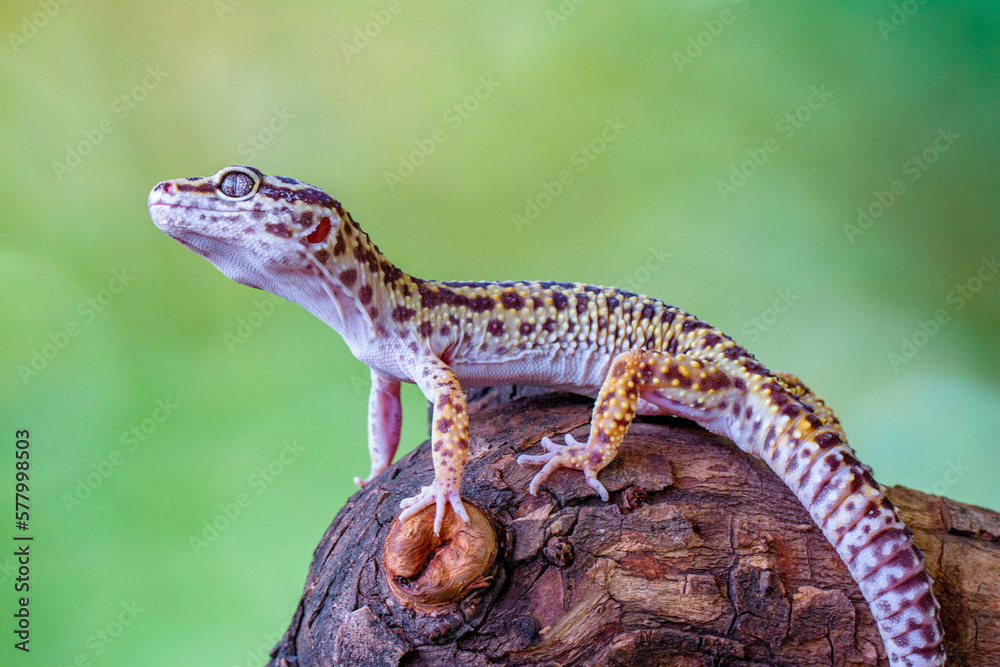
x=702, y=557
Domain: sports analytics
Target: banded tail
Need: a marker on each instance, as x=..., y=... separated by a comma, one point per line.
x=857, y=518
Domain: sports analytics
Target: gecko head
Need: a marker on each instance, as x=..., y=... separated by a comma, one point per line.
x=258, y=230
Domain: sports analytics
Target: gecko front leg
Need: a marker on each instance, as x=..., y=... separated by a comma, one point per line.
x=385, y=417
x=449, y=442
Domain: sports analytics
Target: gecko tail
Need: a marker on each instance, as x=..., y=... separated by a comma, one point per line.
x=862, y=524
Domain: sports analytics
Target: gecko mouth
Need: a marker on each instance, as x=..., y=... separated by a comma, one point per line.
x=191, y=207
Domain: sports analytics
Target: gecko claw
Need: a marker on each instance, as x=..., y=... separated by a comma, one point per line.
x=596, y=485
x=431, y=495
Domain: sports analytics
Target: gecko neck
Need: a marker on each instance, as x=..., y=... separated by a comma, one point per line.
x=353, y=288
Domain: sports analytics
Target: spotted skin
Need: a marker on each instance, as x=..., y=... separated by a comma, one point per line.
x=805, y=395
x=634, y=354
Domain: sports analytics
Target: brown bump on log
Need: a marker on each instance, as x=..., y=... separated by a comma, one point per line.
x=430, y=573
x=559, y=552
x=631, y=499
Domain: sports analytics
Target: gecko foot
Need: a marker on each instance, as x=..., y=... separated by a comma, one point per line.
x=432, y=495
x=571, y=455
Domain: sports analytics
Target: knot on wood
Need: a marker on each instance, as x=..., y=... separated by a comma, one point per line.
x=430, y=573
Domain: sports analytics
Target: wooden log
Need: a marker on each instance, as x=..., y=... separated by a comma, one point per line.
x=702, y=557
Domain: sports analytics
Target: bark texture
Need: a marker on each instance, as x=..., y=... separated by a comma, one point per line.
x=702, y=557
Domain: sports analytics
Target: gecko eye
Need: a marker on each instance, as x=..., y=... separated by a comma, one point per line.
x=237, y=184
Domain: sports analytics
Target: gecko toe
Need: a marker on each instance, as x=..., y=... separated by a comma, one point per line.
x=597, y=486
x=416, y=503
x=534, y=459
x=441, y=504
x=459, y=507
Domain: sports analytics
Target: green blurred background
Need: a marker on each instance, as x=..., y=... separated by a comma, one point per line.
x=803, y=113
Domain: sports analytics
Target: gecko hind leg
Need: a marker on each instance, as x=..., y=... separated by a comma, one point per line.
x=679, y=385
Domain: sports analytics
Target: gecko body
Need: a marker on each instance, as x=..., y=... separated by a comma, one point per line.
x=633, y=354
